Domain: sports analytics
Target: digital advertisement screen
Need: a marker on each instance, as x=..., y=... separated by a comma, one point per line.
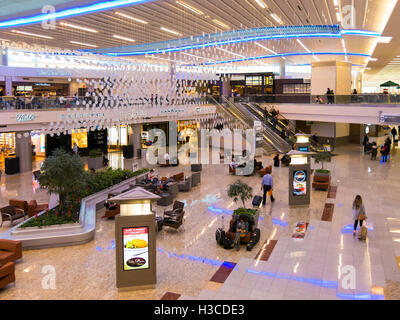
x=136, y=248
x=300, y=183
x=303, y=149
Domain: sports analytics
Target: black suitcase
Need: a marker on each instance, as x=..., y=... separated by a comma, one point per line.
x=257, y=201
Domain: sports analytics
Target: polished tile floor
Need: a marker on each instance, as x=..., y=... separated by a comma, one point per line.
x=317, y=267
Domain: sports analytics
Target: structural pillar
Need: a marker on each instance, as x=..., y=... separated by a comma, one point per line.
x=226, y=87
x=282, y=70
x=23, y=145
x=8, y=83
x=135, y=138
x=335, y=75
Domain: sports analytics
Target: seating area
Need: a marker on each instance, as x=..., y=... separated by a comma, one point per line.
x=35, y=208
x=10, y=252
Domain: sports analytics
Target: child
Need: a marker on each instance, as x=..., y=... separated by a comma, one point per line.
x=374, y=151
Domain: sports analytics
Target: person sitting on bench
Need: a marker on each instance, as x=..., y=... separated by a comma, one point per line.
x=242, y=229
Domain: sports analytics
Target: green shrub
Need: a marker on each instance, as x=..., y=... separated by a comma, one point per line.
x=94, y=183
x=323, y=171
x=250, y=212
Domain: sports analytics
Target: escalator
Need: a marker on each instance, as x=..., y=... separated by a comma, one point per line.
x=272, y=142
x=282, y=127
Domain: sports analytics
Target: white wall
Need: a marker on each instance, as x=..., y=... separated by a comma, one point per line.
x=342, y=130
x=324, y=129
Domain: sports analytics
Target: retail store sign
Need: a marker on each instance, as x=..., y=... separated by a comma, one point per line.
x=24, y=117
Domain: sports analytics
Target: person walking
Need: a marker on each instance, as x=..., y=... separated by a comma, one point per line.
x=394, y=134
x=359, y=215
x=267, y=186
x=365, y=142
x=75, y=148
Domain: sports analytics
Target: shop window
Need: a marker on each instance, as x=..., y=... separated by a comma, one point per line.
x=254, y=81
x=297, y=88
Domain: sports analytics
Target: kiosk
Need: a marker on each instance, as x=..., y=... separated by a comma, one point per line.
x=259, y=130
x=303, y=142
x=299, y=178
x=135, y=240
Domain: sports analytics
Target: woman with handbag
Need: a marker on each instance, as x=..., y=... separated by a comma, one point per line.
x=358, y=213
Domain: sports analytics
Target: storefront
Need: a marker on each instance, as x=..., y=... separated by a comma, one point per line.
x=38, y=145
x=184, y=129
x=145, y=133
x=40, y=89
x=118, y=137
x=7, y=147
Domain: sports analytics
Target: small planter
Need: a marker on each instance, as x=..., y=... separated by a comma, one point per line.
x=252, y=213
x=324, y=173
x=95, y=163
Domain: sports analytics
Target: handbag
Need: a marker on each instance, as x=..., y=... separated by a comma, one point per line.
x=362, y=217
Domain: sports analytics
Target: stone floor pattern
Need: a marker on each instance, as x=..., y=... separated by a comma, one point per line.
x=190, y=265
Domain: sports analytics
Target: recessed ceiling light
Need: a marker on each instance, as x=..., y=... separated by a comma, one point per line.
x=335, y=3
x=302, y=44
x=70, y=25
x=84, y=44
x=123, y=38
x=384, y=39
x=261, y=4
x=373, y=59
x=31, y=34
x=187, y=6
x=230, y=52
x=276, y=18
x=130, y=17
x=223, y=25
x=264, y=47
x=171, y=31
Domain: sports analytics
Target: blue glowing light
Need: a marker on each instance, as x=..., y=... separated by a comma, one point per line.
x=289, y=54
x=279, y=222
x=213, y=209
x=350, y=228
x=101, y=6
x=316, y=282
x=204, y=260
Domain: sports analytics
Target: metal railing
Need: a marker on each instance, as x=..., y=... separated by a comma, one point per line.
x=271, y=139
x=43, y=103
x=320, y=99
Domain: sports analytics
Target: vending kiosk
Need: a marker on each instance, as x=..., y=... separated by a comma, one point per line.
x=135, y=240
x=303, y=142
x=299, y=178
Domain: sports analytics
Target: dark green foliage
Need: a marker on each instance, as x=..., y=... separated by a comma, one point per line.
x=240, y=190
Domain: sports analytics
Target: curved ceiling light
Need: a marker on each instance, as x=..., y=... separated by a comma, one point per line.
x=238, y=36
x=101, y=6
x=289, y=54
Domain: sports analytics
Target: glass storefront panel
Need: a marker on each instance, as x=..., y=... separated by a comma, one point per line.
x=7, y=146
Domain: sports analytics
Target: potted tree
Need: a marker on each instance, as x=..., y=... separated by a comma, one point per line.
x=61, y=173
x=95, y=160
x=239, y=190
x=321, y=158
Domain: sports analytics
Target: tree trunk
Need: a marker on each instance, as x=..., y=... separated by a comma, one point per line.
x=244, y=204
x=62, y=201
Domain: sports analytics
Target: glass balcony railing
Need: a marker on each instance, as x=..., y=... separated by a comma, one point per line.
x=321, y=99
x=41, y=103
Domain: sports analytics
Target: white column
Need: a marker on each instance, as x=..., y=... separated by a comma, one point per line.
x=335, y=75
x=23, y=144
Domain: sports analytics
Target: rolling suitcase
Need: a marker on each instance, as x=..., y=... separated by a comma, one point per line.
x=257, y=201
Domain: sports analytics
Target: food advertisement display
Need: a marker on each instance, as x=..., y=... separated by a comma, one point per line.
x=136, y=248
x=300, y=183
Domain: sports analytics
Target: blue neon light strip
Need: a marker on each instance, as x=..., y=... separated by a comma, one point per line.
x=290, y=54
x=101, y=6
x=239, y=36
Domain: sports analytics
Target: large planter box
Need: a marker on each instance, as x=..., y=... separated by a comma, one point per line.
x=95, y=163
